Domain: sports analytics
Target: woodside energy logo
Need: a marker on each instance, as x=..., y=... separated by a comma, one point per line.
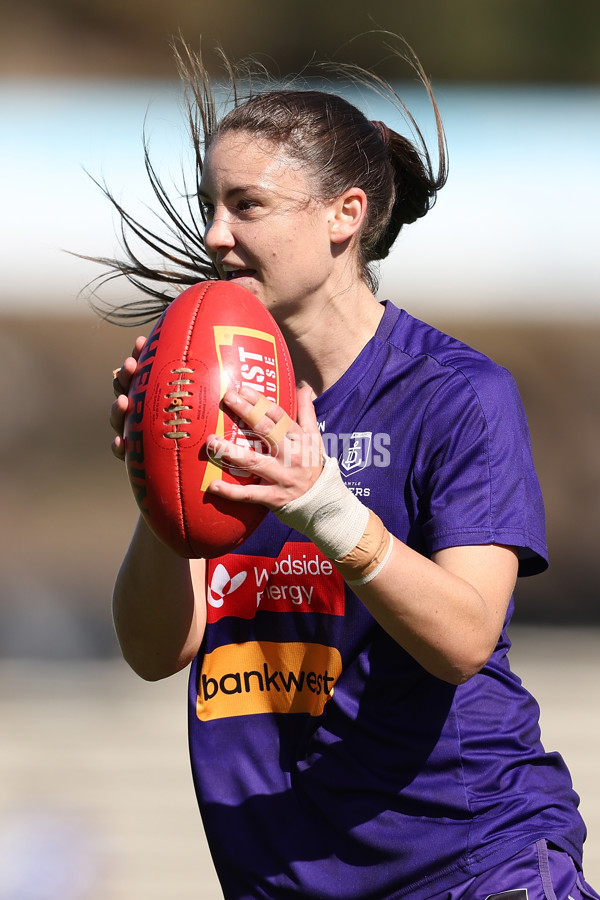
x=300, y=579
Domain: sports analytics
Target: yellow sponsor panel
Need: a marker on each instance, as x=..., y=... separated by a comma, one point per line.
x=225, y=336
x=267, y=677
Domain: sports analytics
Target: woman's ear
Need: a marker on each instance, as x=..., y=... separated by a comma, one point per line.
x=347, y=214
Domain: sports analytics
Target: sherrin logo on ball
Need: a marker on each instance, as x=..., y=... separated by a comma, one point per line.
x=213, y=337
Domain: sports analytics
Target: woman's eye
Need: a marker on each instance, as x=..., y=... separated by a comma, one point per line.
x=242, y=206
x=246, y=204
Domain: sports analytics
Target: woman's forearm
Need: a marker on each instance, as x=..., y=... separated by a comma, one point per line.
x=447, y=612
x=158, y=607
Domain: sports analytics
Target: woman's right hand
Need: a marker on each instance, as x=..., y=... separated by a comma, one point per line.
x=121, y=383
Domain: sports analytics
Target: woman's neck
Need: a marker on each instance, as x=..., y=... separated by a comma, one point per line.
x=325, y=339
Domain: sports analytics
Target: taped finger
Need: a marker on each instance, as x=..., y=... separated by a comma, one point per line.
x=258, y=411
x=280, y=429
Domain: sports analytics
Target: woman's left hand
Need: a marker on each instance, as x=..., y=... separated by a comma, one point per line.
x=289, y=465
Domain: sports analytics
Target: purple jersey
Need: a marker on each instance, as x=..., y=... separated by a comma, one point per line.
x=327, y=762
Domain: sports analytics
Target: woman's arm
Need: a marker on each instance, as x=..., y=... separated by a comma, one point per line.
x=159, y=608
x=448, y=611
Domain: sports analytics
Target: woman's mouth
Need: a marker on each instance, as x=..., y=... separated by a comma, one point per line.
x=234, y=274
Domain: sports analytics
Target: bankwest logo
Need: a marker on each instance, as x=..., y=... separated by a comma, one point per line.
x=266, y=677
x=300, y=579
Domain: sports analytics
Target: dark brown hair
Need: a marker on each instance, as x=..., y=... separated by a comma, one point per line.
x=339, y=146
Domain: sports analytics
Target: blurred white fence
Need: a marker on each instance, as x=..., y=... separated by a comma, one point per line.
x=514, y=233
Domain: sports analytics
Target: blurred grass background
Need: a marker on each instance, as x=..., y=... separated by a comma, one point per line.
x=87, y=750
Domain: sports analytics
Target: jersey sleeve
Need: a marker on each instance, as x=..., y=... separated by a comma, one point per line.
x=475, y=474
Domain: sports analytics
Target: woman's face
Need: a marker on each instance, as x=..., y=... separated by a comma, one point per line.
x=265, y=229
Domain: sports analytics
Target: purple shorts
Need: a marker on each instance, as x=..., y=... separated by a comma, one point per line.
x=539, y=872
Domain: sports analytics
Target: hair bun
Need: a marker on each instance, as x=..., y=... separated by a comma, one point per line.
x=382, y=130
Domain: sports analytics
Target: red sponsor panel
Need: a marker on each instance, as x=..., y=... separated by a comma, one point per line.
x=300, y=579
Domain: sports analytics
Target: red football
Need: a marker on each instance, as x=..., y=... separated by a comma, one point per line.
x=216, y=335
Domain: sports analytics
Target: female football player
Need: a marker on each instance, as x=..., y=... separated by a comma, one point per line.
x=355, y=727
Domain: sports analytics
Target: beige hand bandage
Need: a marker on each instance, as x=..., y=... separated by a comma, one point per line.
x=369, y=556
x=342, y=527
x=279, y=429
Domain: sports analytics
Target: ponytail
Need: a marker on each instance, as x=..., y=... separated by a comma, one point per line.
x=415, y=186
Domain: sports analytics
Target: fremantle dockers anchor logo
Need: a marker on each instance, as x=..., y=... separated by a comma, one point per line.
x=357, y=452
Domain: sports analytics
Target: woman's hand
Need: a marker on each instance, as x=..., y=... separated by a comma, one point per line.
x=121, y=383
x=290, y=463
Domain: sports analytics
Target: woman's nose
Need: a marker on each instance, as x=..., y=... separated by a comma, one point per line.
x=218, y=234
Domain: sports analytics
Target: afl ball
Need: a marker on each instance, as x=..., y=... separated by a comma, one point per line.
x=213, y=337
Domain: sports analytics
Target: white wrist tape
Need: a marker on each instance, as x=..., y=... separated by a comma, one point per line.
x=328, y=513
x=342, y=527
